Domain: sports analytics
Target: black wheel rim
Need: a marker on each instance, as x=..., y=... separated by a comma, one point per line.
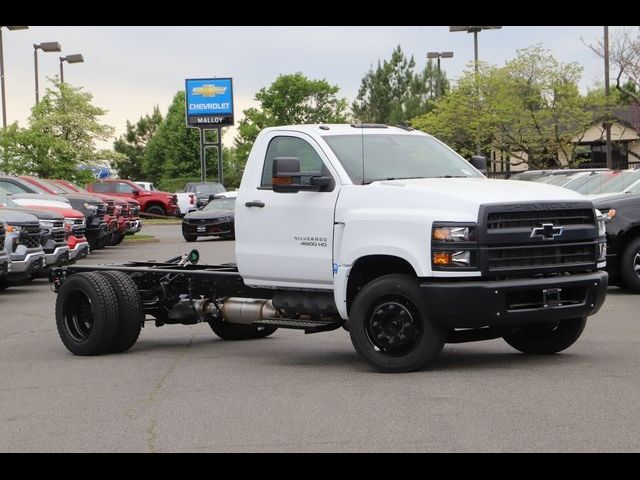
x=78, y=316
x=394, y=326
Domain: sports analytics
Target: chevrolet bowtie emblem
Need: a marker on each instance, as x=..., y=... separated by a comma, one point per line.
x=547, y=231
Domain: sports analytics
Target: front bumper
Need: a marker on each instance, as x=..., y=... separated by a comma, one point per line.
x=57, y=258
x=473, y=304
x=208, y=230
x=25, y=268
x=79, y=251
x=95, y=232
x=134, y=227
x=5, y=266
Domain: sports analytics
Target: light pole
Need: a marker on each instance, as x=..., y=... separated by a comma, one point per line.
x=75, y=58
x=45, y=47
x=4, y=99
x=475, y=30
x=607, y=92
x=439, y=55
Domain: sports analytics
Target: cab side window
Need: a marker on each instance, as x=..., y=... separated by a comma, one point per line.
x=283, y=146
x=10, y=187
x=123, y=188
x=102, y=188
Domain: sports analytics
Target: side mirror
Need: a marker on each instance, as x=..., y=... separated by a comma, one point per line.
x=136, y=193
x=283, y=172
x=479, y=162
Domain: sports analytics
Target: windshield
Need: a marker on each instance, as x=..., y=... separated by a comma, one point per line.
x=53, y=186
x=209, y=188
x=559, y=179
x=394, y=156
x=620, y=182
x=593, y=184
x=7, y=202
x=221, y=204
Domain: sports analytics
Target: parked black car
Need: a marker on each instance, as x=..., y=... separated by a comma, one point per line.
x=217, y=218
x=204, y=191
x=623, y=238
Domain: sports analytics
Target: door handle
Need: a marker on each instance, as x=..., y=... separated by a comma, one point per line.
x=255, y=203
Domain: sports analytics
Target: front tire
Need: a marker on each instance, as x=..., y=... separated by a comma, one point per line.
x=547, y=338
x=87, y=314
x=630, y=265
x=230, y=331
x=156, y=210
x=390, y=327
x=189, y=238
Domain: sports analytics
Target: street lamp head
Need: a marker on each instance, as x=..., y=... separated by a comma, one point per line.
x=433, y=54
x=75, y=58
x=446, y=54
x=473, y=29
x=48, y=46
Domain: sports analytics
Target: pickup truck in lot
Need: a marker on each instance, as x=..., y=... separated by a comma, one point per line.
x=5, y=259
x=383, y=231
x=23, y=242
x=154, y=203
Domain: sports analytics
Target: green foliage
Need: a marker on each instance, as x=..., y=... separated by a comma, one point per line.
x=173, y=150
x=133, y=143
x=60, y=137
x=394, y=93
x=290, y=99
x=530, y=108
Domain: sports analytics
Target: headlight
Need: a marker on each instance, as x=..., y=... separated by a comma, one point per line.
x=89, y=206
x=14, y=228
x=462, y=258
x=453, y=246
x=602, y=227
x=453, y=234
x=46, y=224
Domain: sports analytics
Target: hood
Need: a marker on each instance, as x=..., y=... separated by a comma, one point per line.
x=205, y=214
x=451, y=199
x=65, y=212
x=81, y=196
x=616, y=200
x=17, y=217
x=40, y=196
x=40, y=214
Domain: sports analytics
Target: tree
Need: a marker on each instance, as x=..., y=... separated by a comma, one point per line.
x=133, y=144
x=530, y=108
x=393, y=93
x=173, y=150
x=61, y=135
x=624, y=56
x=290, y=99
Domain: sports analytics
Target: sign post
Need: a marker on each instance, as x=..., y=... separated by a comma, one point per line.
x=209, y=106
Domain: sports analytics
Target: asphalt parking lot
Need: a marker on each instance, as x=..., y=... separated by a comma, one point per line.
x=182, y=389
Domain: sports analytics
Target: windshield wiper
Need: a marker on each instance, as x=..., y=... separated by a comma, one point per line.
x=367, y=182
x=452, y=176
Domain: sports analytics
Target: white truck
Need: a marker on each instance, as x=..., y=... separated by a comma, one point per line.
x=383, y=231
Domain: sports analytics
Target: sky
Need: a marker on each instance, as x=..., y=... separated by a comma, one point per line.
x=131, y=69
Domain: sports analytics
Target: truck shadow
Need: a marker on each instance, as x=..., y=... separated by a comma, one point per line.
x=272, y=351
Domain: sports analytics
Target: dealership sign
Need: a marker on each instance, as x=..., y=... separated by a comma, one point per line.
x=209, y=102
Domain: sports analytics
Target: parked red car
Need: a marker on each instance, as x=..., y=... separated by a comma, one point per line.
x=156, y=202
